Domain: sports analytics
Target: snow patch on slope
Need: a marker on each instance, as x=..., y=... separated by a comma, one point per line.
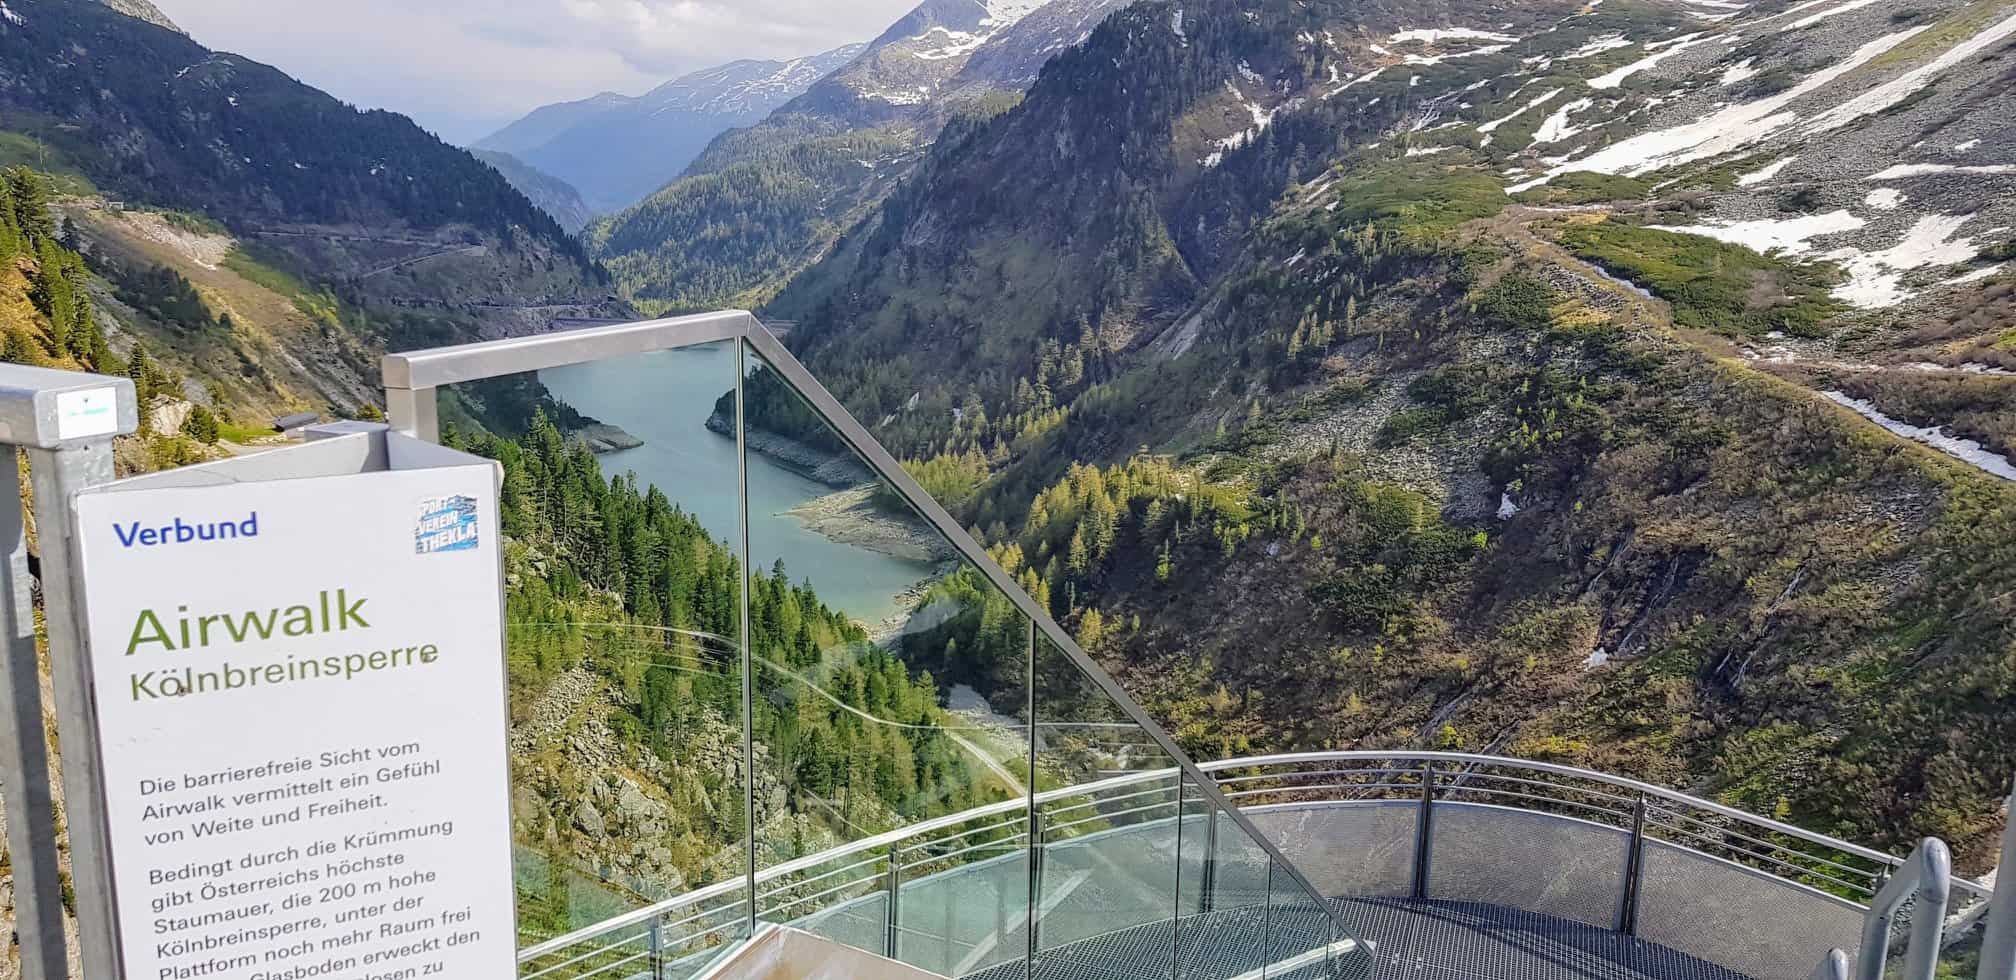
x=1556, y=128
x=1903, y=170
x=1428, y=35
x=1725, y=130
x=1885, y=199
x=1812, y=19
x=1493, y=125
x=1875, y=279
x=1596, y=46
x=1792, y=236
x=1900, y=88
x=1677, y=45
x=1965, y=450
x=1760, y=176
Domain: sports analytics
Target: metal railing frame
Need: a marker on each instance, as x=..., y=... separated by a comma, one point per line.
x=1998, y=945
x=1927, y=877
x=1649, y=793
x=1833, y=966
x=412, y=382
x=1644, y=798
x=63, y=459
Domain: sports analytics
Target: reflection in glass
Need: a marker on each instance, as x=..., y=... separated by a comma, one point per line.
x=1108, y=824
x=623, y=582
x=889, y=689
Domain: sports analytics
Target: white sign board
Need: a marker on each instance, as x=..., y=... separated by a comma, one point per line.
x=300, y=697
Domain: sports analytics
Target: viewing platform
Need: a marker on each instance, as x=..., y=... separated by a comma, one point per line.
x=863, y=733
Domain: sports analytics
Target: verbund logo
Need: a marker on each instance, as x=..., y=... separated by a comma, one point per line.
x=181, y=532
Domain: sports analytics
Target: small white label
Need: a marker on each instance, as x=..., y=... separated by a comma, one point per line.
x=82, y=414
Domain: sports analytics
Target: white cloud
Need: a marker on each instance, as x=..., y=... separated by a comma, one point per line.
x=465, y=67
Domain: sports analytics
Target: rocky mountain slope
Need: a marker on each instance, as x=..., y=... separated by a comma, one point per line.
x=406, y=228
x=1473, y=325
x=617, y=149
x=345, y=231
x=763, y=202
x=142, y=10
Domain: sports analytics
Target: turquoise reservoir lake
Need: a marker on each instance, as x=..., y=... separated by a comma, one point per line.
x=664, y=398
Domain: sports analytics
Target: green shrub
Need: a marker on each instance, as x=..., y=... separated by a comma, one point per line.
x=1713, y=285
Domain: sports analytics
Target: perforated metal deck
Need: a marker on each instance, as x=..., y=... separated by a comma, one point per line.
x=1413, y=940
x=1430, y=940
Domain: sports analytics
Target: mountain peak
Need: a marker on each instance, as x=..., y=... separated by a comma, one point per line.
x=143, y=10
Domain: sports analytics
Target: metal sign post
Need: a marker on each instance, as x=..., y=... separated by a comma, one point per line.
x=24, y=759
x=66, y=420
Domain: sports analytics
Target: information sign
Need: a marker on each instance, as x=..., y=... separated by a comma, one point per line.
x=300, y=701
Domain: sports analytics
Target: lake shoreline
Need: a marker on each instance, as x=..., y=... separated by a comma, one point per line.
x=853, y=518
x=840, y=471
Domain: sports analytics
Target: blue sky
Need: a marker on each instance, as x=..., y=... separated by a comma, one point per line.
x=463, y=68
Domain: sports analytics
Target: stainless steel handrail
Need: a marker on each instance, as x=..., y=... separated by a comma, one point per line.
x=1998, y=942
x=1927, y=877
x=1656, y=792
x=1670, y=798
x=1833, y=966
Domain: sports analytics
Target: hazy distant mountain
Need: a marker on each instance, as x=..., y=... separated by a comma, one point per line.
x=616, y=149
x=762, y=202
x=553, y=195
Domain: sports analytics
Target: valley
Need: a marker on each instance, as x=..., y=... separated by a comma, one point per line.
x=1446, y=321
x=1627, y=384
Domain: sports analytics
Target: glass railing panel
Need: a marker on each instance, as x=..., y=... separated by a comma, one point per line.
x=1108, y=821
x=890, y=690
x=1298, y=930
x=1223, y=932
x=963, y=905
x=623, y=579
x=1246, y=914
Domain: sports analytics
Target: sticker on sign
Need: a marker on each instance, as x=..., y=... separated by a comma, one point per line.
x=83, y=414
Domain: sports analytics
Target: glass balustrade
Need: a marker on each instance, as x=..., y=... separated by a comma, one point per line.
x=756, y=677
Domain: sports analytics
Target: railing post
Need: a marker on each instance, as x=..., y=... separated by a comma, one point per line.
x=658, y=949
x=1176, y=906
x=1634, y=870
x=1927, y=874
x=1834, y=966
x=895, y=887
x=1928, y=916
x=1424, y=827
x=1998, y=940
x=1035, y=884
x=24, y=755
x=1208, y=881
x=66, y=422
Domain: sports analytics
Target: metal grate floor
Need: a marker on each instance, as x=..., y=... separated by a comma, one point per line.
x=1414, y=940
x=1429, y=940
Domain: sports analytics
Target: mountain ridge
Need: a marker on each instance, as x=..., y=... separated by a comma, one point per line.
x=552, y=195
x=616, y=149
x=820, y=161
